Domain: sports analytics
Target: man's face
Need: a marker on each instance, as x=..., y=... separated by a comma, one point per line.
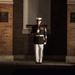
x=39, y=22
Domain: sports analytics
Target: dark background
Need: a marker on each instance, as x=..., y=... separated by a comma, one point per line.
x=57, y=40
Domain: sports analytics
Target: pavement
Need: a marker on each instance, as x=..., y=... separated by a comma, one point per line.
x=31, y=68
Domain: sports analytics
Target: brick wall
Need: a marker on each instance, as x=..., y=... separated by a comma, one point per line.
x=70, y=31
x=6, y=29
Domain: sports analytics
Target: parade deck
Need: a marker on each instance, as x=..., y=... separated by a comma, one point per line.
x=30, y=67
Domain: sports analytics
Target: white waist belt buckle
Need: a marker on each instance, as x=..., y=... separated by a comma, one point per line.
x=40, y=35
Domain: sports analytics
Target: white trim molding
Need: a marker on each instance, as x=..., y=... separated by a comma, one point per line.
x=70, y=59
x=6, y=2
x=70, y=1
x=6, y=57
x=32, y=57
x=26, y=31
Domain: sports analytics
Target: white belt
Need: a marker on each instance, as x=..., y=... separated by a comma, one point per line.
x=39, y=35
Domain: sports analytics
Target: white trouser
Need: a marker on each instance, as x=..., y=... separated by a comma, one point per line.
x=39, y=52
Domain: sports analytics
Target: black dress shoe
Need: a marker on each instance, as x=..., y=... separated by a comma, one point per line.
x=40, y=62
x=37, y=62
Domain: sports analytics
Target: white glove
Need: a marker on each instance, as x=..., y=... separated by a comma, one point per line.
x=38, y=31
x=44, y=43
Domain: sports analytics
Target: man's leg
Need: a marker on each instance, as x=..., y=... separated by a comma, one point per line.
x=36, y=52
x=41, y=52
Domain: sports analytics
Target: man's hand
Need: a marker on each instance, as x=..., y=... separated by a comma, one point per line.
x=45, y=40
x=38, y=30
x=44, y=43
x=34, y=33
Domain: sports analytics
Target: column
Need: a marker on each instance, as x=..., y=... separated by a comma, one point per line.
x=25, y=13
x=6, y=30
x=70, y=58
x=29, y=14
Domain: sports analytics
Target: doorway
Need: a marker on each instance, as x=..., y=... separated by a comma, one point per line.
x=57, y=40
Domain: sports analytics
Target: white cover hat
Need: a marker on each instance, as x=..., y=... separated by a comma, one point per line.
x=38, y=18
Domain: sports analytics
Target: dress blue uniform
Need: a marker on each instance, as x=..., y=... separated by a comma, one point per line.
x=40, y=38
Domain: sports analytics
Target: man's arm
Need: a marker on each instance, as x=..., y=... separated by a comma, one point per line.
x=45, y=36
x=33, y=32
